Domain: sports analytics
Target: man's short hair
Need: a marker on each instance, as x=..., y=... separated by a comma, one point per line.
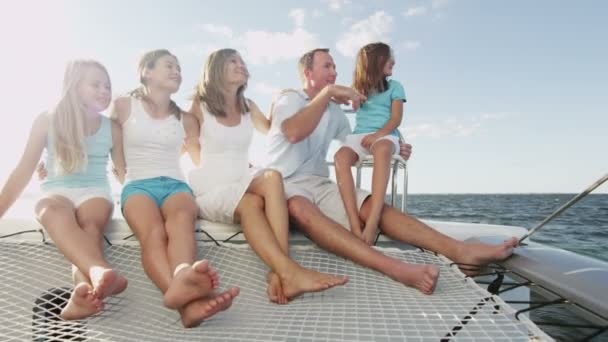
x=307, y=60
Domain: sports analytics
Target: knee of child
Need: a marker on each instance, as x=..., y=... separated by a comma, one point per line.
x=383, y=148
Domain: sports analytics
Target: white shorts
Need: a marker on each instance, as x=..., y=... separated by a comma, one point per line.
x=353, y=141
x=324, y=193
x=80, y=195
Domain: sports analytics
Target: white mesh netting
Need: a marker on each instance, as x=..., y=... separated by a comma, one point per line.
x=369, y=307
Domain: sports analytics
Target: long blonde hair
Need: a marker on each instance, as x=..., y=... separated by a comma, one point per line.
x=68, y=122
x=147, y=62
x=369, y=76
x=209, y=88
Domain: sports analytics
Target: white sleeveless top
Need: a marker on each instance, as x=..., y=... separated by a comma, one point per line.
x=224, y=175
x=152, y=146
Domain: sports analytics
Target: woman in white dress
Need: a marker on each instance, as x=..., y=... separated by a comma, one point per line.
x=225, y=187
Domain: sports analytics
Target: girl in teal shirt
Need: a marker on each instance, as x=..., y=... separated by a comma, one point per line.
x=375, y=133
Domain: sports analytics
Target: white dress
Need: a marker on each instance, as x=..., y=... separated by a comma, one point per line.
x=224, y=174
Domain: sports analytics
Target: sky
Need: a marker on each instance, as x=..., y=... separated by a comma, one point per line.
x=503, y=96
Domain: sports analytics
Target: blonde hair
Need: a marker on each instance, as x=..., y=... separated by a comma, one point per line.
x=369, y=69
x=307, y=60
x=68, y=123
x=209, y=88
x=148, y=62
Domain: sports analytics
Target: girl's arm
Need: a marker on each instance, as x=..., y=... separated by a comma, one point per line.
x=120, y=110
x=118, y=156
x=391, y=124
x=22, y=174
x=260, y=122
x=191, y=142
x=395, y=120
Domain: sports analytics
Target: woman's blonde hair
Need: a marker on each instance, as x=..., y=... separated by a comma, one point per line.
x=209, y=88
x=369, y=68
x=148, y=62
x=68, y=121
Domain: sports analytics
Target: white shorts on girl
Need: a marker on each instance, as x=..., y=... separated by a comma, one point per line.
x=79, y=195
x=353, y=141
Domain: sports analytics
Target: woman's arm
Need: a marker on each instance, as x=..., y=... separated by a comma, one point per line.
x=260, y=121
x=22, y=174
x=118, y=157
x=191, y=141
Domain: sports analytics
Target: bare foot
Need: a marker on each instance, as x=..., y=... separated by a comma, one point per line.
x=300, y=280
x=190, y=283
x=481, y=254
x=82, y=303
x=275, y=289
x=106, y=282
x=195, y=312
x=421, y=277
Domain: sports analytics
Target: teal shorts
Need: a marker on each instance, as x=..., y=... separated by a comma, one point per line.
x=157, y=189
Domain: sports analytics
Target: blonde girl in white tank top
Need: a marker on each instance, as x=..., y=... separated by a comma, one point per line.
x=225, y=188
x=156, y=203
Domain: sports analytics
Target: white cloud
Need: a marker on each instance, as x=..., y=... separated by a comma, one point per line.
x=298, y=15
x=373, y=29
x=453, y=127
x=411, y=45
x=259, y=47
x=317, y=13
x=336, y=5
x=436, y=4
x=415, y=11
x=217, y=30
x=264, y=88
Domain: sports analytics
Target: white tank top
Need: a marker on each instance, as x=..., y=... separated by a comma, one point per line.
x=224, y=153
x=152, y=146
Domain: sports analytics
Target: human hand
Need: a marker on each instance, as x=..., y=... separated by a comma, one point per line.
x=346, y=95
x=369, y=140
x=41, y=171
x=405, y=150
x=369, y=236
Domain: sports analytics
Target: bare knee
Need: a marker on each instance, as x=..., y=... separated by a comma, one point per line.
x=272, y=180
x=345, y=158
x=50, y=213
x=301, y=210
x=155, y=236
x=383, y=149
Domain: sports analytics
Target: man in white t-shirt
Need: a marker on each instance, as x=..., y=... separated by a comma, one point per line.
x=304, y=122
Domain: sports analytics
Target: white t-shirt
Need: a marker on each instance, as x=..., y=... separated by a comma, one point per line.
x=306, y=157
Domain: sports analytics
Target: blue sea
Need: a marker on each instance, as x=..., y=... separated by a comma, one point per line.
x=583, y=228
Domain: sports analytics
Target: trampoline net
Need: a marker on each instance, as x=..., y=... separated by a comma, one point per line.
x=35, y=281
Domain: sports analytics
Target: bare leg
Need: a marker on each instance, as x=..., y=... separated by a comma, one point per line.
x=93, y=216
x=190, y=280
x=269, y=185
x=335, y=238
x=382, y=152
x=57, y=215
x=344, y=159
x=403, y=227
x=295, y=279
x=145, y=220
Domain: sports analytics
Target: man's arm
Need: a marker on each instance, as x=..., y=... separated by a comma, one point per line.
x=303, y=123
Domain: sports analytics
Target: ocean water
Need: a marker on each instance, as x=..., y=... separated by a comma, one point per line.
x=583, y=228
